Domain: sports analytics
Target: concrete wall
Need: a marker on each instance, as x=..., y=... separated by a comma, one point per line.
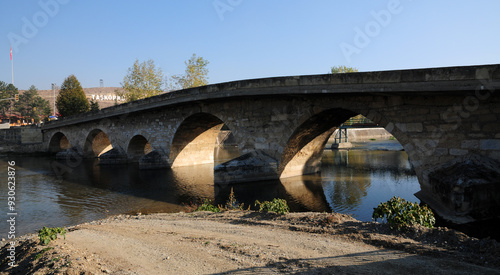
x=21, y=135
x=362, y=134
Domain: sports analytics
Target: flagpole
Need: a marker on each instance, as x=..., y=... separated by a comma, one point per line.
x=12, y=64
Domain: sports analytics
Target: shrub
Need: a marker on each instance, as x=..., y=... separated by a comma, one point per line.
x=400, y=213
x=232, y=203
x=208, y=206
x=47, y=234
x=276, y=205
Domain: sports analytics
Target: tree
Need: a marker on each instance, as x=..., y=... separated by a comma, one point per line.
x=71, y=99
x=195, y=74
x=32, y=106
x=6, y=91
x=343, y=69
x=142, y=80
x=94, y=105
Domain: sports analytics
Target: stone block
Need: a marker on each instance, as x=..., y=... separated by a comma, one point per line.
x=448, y=127
x=458, y=152
x=491, y=127
x=414, y=127
x=470, y=144
x=441, y=151
x=490, y=144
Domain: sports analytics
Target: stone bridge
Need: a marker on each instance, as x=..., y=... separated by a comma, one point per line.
x=447, y=120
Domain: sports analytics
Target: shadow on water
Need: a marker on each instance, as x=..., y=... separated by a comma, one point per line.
x=90, y=191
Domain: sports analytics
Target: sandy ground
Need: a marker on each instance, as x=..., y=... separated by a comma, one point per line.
x=245, y=242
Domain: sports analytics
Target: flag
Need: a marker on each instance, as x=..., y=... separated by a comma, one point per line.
x=10, y=53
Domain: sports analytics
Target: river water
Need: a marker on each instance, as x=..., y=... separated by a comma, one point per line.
x=351, y=181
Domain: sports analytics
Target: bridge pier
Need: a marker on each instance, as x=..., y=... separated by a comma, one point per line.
x=153, y=160
x=253, y=166
x=464, y=190
x=113, y=156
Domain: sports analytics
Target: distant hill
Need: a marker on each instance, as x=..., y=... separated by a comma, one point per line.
x=106, y=96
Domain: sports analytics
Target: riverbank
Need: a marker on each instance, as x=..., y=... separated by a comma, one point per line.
x=242, y=242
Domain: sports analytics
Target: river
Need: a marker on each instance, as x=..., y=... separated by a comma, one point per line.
x=351, y=181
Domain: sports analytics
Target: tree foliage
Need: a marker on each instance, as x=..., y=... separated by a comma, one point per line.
x=32, y=106
x=142, y=80
x=343, y=69
x=71, y=99
x=94, y=105
x=195, y=75
x=6, y=91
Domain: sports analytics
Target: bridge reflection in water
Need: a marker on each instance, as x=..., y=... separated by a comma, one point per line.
x=352, y=181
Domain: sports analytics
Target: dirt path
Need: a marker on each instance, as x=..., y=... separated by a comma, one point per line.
x=249, y=242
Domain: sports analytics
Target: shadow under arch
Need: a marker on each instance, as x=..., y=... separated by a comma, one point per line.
x=96, y=144
x=303, y=151
x=58, y=142
x=138, y=147
x=195, y=140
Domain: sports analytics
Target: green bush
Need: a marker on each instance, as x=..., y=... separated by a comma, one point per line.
x=276, y=205
x=47, y=234
x=400, y=213
x=208, y=206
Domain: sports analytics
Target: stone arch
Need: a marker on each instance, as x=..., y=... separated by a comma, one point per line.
x=303, y=150
x=138, y=147
x=195, y=139
x=96, y=144
x=58, y=142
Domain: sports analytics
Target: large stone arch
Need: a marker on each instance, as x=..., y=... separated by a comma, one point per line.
x=138, y=147
x=96, y=144
x=303, y=150
x=58, y=142
x=195, y=139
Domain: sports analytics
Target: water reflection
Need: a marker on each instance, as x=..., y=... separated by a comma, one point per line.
x=352, y=182
x=356, y=181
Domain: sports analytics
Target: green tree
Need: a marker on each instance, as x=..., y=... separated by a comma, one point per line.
x=142, y=80
x=343, y=69
x=32, y=106
x=71, y=99
x=196, y=73
x=94, y=105
x=6, y=91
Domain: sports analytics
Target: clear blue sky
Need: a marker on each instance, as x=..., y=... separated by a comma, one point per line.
x=241, y=39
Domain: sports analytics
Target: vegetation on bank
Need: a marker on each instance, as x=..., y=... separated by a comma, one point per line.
x=47, y=234
x=278, y=206
x=402, y=214
x=397, y=212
